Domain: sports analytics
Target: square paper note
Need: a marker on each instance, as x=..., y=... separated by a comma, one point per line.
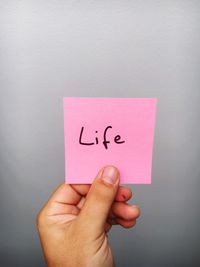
x=103, y=131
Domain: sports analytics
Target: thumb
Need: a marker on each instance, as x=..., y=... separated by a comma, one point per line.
x=99, y=200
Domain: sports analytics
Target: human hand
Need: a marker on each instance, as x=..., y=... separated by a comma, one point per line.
x=73, y=224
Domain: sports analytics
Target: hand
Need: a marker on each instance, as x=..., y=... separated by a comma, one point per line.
x=73, y=224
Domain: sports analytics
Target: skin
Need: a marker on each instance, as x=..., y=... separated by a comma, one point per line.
x=73, y=225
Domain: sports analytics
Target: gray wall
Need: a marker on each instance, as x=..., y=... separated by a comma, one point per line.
x=50, y=49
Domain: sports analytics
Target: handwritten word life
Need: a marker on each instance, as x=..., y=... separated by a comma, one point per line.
x=105, y=141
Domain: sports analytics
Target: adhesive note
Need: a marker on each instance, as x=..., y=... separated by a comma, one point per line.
x=109, y=131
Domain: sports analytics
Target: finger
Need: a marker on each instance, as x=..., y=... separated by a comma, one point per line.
x=65, y=194
x=125, y=211
x=81, y=189
x=99, y=200
x=119, y=221
x=81, y=203
x=126, y=223
x=123, y=194
x=69, y=194
x=64, y=199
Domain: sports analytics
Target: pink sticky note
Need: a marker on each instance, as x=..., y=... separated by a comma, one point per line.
x=104, y=131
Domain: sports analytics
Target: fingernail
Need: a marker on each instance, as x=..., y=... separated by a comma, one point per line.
x=110, y=175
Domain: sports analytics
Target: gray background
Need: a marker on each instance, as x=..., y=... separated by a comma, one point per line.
x=50, y=49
